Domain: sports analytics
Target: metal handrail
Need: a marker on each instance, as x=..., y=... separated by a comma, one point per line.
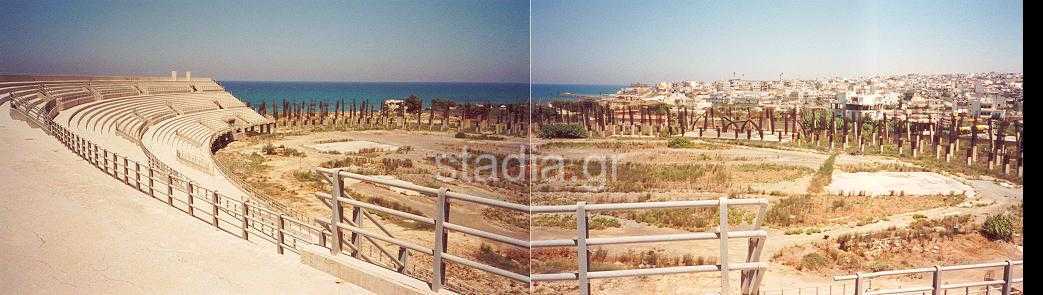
x=751, y=269
x=937, y=271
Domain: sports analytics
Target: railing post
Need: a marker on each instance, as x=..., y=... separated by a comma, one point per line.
x=282, y=237
x=215, y=210
x=582, y=251
x=170, y=189
x=936, y=281
x=403, y=258
x=126, y=170
x=437, y=264
x=858, y=283
x=137, y=175
x=246, y=220
x=356, y=239
x=338, y=192
x=151, y=181
x=1008, y=275
x=191, y=208
x=723, y=228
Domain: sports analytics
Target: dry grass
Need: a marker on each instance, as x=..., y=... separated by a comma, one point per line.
x=556, y=260
x=823, y=176
x=878, y=167
x=819, y=210
x=950, y=240
x=691, y=219
x=640, y=177
x=566, y=221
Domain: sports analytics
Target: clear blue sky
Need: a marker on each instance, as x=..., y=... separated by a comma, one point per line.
x=475, y=41
x=614, y=42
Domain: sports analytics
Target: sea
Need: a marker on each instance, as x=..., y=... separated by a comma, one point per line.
x=256, y=92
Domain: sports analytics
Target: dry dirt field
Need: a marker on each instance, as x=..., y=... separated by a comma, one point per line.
x=280, y=165
x=815, y=198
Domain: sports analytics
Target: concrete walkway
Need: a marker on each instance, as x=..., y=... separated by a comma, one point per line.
x=82, y=232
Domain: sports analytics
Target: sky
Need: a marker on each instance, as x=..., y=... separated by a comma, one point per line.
x=582, y=42
x=424, y=41
x=620, y=42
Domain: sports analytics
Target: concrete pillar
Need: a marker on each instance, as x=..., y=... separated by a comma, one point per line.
x=173, y=75
x=188, y=75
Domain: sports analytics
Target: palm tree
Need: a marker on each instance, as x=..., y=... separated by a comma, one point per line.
x=414, y=106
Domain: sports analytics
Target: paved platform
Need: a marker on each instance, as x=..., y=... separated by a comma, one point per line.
x=65, y=227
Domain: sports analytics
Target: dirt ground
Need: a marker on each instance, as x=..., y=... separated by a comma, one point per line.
x=706, y=170
x=284, y=173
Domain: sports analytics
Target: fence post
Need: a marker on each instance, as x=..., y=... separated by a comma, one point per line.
x=215, y=210
x=356, y=238
x=1008, y=271
x=403, y=258
x=936, y=281
x=282, y=237
x=582, y=232
x=246, y=220
x=858, y=283
x=126, y=170
x=723, y=228
x=438, y=265
x=191, y=208
x=170, y=189
x=151, y=182
x=137, y=175
x=338, y=192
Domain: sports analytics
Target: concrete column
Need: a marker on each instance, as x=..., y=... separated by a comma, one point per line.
x=188, y=75
x=173, y=75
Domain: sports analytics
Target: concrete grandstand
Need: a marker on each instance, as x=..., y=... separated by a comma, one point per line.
x=170, y=123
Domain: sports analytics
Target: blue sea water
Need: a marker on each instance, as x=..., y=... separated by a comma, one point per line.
x=549, y=92
x=256, y=92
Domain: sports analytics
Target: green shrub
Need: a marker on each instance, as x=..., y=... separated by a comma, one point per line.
x=563, y=131
x=813, y=261
x=268, y=149
x=305, y=175
x=460, y=134
x=919, y=216
x=998, y=227
x=679, y=143
x=837, y=204
x=490, y=256
x=292, y=152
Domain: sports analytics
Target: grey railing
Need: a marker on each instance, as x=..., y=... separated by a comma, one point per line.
x=237, y=217
x=751, y=270
x=936, y=272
